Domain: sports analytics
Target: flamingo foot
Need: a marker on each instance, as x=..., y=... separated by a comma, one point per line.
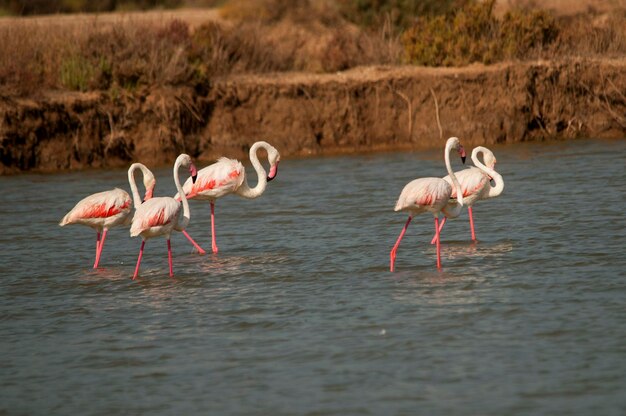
x=191, y=240
x=392, y=254
x=213, y=242
x=100, y=247
x=471, y=219
x=143, y=243
x=434, y=240
x=392, y=260
x=438, y=236
x=169, y=257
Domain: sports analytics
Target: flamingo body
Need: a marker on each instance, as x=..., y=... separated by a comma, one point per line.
x=424, y=195
x=157, y=216
x=475, y=183
x=108, y=209
x=101, y=210
x=214, y=181
x=227, y=176
x=429, y=195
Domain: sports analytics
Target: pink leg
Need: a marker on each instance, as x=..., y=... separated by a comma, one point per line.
x=143, y=243
x=200, y=250
x=434, y=240
x=100, y=247
x=169, y=257
x=438, y=242
x=213, y=243
x=95, y=264
x=469, y=210
x=392, y=255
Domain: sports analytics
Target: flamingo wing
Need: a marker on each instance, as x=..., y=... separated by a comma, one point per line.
x=424, y=193
x=101, y=205
x=472, y=181
x=155, y=212
x=222, y=177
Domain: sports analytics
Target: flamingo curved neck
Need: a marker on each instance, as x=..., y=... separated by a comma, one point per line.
x=455, y=210
x=497, y=178
x=186, y=214
x=133, y=184
x=245, y=190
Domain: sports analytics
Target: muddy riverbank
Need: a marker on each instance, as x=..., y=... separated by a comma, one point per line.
x=364, y=109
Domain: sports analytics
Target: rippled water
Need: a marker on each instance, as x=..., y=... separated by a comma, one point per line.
x=298, y=314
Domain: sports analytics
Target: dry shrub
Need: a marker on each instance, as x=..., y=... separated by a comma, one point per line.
x=309, y=35
x=30, y=57
x=473, y=34
x=588, y=35
x=400, y=13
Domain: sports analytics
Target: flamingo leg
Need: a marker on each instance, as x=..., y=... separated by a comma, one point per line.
x=143, y=243
x=434, y=240
x=191, y=240
x=169, y=257
x=438, y=242
x=471, y=218
x=100, y=247
x=213, y=243
x=97, y=247
x=392, y=255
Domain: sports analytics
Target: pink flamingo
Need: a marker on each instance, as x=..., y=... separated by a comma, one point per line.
x=475, y=184
x=159, y=216
x=228, y=176
x=429, y=195
x=108, y=209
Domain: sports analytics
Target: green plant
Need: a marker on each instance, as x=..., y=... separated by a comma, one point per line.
x=76, y=73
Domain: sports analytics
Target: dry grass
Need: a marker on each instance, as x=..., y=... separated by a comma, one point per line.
x=133, y=52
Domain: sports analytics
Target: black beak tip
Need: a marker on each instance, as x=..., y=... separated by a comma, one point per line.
x=193, y=178
x=270, y=178
x=463, y=159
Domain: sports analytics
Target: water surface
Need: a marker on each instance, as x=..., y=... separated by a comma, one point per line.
x=298, y=313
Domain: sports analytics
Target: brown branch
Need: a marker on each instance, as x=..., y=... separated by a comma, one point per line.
x=437, y=113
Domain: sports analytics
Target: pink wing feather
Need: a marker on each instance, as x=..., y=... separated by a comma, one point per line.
x=154, y=212
x=99, y=206
x=472, y=181
x=221, y=178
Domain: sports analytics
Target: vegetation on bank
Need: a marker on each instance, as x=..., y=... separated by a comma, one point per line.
x=287, y=35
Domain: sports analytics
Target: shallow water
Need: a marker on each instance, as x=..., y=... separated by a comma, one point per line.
x=298, y=313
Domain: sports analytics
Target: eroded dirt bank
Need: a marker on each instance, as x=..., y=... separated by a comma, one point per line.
x=365, y=109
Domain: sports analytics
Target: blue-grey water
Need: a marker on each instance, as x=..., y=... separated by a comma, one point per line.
x=298, y=314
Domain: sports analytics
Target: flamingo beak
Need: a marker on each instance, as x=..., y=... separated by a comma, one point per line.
x=148, y=194
x=273, y=172
x=462, y=154
x=194, y=173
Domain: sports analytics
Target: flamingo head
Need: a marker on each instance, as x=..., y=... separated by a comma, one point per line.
x=274, y=158
x=149, y=182
x=461, y=151
x=193, y=172
x=455, y=143
x=185, y=160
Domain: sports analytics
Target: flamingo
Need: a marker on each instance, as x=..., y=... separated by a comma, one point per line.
x=475, y=183
x=159, y=216
x=430, y=195
x=227, y=176
x=104, y=210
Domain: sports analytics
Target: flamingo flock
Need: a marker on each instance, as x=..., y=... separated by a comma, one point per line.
x=160, y=216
